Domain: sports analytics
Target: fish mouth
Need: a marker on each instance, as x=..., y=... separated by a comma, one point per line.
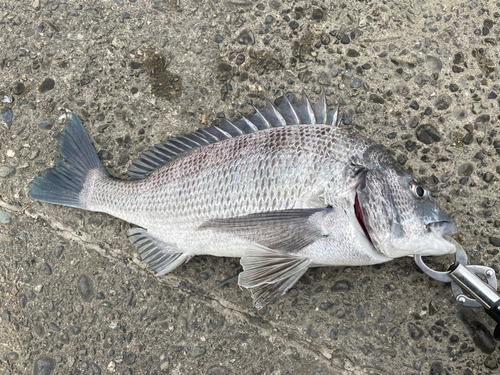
x=442, y=231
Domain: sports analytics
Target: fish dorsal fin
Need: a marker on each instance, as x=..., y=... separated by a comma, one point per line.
x=285, y=114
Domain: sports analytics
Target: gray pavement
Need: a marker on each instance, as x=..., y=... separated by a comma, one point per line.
x=420, y=77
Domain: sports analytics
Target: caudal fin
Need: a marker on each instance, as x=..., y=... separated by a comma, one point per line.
x=63, y=183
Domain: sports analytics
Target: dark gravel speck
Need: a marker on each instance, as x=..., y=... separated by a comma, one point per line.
x=355, y=83
x=467, y=140
x=7, y=114
x=495, y=241
x=246, y=38
x=58, y=251
x=482, y=121
x=422, y=79
x=18, y=88
x=428, y=134
x=334, y=334
x=317, y=14
x=340, y=286
x=105, y=155
x=428, y=111
x=415, y=332
x=135, y=65
x=492, y=95
x=311, y=332
x=417, y=364
x=360, y=312
x=85, y=287
x=443, y=102
x=240, y=59
x=6, y=316
x=46, y=124
x=242, y=336
x=129, y=358
x=325, y=39
x=198, y=351
x=47, y=85
x=95, y=368
x=491, y=362
x=345, y=39
x=414, y=105
x=352, y=53
x=43, y=366
x=402, y=159
x=481, y=335
x=47, y=269
x=488, y=177
x=392, y=135
x=453, y=87
x=377, y=99
x=436, y=369
x=293, y=25
x=347, y=118
x=434, y=64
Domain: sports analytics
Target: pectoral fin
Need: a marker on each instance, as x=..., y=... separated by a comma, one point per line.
x=286, y=230
x=270, y=273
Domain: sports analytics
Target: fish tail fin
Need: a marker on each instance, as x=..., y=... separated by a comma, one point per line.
x=64, y=183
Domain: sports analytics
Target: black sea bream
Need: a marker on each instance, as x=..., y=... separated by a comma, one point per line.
x=284, y=189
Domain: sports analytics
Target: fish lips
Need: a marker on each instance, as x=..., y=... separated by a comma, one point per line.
x=443, y=228
x=442, y=243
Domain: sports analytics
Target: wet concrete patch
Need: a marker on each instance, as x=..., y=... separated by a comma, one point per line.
x=164, y=83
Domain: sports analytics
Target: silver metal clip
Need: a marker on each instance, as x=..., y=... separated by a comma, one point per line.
x=464, y=277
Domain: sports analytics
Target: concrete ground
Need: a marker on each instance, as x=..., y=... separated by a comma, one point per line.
x=420, y=77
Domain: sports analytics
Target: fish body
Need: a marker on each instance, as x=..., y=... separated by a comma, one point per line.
x=285, y=190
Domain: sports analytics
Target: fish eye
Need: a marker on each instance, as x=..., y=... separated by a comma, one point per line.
x=418, y=190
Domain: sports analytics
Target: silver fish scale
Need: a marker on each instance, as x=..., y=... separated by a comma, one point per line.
x=275, y=169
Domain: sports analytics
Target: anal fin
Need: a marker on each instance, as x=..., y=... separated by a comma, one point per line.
x=270, y=273
x=159, y=257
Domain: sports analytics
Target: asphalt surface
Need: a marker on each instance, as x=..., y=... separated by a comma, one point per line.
x=422, y=78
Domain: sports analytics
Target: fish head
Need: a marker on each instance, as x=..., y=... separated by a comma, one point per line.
x=399, y=216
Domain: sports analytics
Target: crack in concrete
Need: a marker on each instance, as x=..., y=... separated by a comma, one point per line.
x=265, y=328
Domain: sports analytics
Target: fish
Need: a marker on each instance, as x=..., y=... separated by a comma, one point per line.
x=284, y=189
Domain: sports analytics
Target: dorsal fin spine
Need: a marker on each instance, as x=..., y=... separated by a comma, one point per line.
x=249, y=123
x=264, y=120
